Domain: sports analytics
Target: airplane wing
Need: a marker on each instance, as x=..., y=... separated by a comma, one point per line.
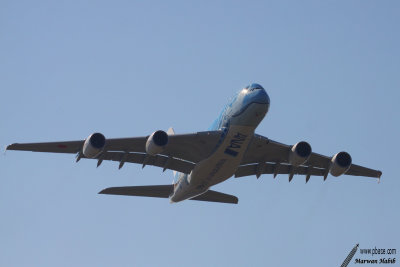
x=181, y=153
x=265, y=156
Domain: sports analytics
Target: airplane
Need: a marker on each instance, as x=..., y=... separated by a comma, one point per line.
x=203, y=159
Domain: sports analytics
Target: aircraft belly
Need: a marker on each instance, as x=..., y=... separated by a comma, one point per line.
x=223, y=163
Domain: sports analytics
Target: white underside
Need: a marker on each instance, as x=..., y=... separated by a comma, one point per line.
x=220, y=166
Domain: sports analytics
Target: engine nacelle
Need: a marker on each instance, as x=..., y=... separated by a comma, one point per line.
x=93, y=145
x=156, y=142
x=299, y=153
x=340, y=163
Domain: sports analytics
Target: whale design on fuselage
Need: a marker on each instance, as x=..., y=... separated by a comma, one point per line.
x=238, y=121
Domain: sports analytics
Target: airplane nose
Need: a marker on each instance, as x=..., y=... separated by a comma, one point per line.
x=262, y=96
x=258, y=93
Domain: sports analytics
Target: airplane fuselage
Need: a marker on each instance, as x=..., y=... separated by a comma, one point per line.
x=237, y=122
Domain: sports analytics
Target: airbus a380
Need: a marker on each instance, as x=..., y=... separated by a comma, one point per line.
x=203, y=159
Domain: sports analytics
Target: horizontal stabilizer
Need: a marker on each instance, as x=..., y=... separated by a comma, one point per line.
x=164, y=191
x=214, y=196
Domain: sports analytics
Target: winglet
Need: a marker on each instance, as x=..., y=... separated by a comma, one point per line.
x=379, y=176
x=9, y=147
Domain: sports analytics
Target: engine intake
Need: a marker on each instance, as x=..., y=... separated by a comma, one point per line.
x=340, y=163
x=93, y=145
x=299, y=153
x=156, y=142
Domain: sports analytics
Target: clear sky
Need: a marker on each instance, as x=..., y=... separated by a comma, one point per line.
x=128, y=68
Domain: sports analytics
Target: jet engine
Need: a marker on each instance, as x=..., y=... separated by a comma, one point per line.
x=156, y=142
x=93, y=145
x=340, y=163
x=299, y=153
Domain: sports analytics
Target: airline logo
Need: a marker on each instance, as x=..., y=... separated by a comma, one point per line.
x=235, y=144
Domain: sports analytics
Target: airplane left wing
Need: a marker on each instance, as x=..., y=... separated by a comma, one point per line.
x=180, y=154
x=265, y=156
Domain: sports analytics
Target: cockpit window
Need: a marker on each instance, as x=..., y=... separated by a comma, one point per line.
x=254, y=86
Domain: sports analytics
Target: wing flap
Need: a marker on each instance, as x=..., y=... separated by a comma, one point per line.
x=270, y=168
x=273, y=168
x=145, y=159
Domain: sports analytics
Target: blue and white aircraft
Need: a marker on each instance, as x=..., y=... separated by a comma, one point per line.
x=203, y=159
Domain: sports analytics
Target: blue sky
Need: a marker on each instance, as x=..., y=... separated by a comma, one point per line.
x=126, y=68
